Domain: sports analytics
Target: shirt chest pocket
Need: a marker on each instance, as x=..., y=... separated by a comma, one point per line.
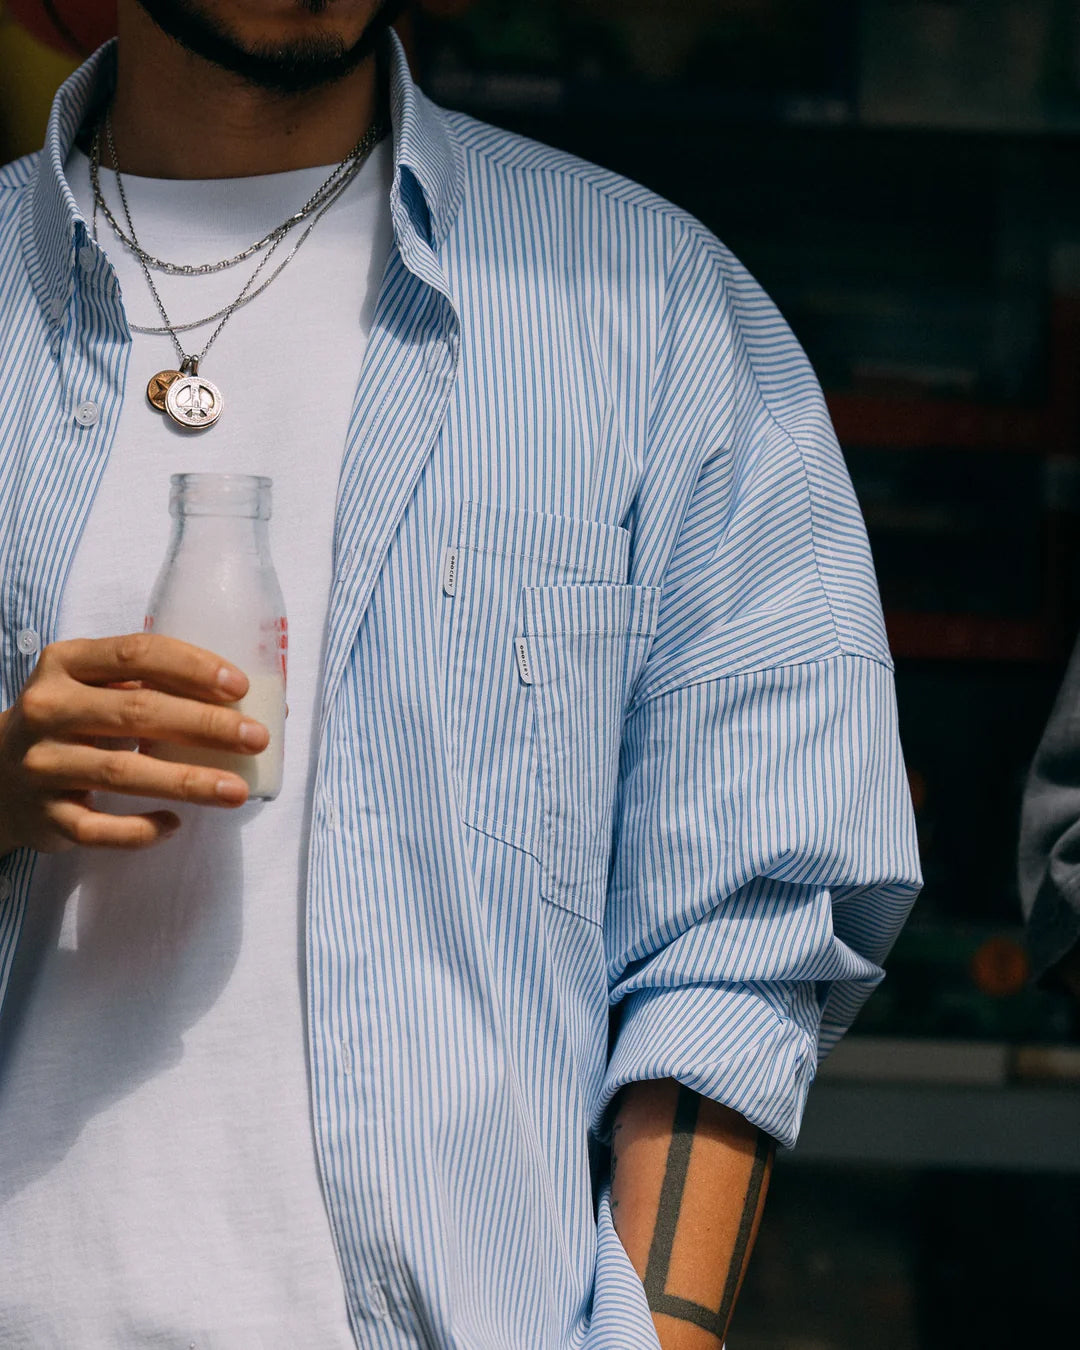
x=545, y=639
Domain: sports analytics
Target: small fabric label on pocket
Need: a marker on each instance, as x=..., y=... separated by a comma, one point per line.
x=450, y=571
x=521, y=648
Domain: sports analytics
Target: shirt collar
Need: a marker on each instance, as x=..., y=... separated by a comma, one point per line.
x=52, y=222
x=427, y=172
x=423, y=146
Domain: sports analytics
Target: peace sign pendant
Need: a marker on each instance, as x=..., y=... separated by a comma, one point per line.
x=192, y=401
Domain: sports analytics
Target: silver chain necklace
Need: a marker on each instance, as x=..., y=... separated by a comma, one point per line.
x=190, y=400
x=243, y=299
x=358, y=153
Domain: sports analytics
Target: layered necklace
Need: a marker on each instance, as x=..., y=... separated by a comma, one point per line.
x=184, y=395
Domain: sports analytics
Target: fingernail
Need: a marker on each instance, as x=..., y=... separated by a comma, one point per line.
x=254, y=734
x=230, y=789
x=231, y=681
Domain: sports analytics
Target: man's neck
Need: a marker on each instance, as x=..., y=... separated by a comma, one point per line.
x=177, y=116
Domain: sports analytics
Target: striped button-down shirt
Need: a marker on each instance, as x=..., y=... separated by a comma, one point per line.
x=609, y=780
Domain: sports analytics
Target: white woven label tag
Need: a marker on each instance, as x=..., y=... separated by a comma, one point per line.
x=521, y=648
x=450, y=571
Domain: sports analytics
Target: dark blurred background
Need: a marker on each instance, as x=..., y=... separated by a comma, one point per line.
x=901, y=176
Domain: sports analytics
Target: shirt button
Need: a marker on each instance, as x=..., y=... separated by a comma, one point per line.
x=5, y=889
x=376, y=1301
x=87, y=257
x=27, y=642
x=58, y=307
x=86, y=414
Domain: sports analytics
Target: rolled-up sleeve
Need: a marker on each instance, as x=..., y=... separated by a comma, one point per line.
x=765, y=854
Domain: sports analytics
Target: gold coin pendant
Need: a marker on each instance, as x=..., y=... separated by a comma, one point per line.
x=158, y=387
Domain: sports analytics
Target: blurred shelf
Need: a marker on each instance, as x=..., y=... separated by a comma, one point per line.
x=953, y=1062
x=969, y=637
x=945, y=1103
x=935, y=1125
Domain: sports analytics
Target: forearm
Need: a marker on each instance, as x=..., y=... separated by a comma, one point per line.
x=688, y=1183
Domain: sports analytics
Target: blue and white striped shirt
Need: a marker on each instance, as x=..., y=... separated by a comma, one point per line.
x=609, y=782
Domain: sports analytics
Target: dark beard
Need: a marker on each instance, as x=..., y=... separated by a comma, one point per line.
x=285, y=69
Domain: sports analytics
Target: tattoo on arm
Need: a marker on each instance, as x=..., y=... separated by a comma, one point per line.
x=667, y=1220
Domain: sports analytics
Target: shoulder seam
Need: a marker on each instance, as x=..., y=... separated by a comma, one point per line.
x=822, y=660
x=845, y=629
x=817, y=543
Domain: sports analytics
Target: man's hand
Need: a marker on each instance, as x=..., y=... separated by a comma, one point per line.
x=138, y=687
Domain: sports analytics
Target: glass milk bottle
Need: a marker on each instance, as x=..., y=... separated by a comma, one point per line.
x=217, y=589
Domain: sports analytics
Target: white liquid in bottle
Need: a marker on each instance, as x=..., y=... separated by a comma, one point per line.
x=265, y=702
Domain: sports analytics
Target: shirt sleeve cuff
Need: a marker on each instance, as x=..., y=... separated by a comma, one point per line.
x=727, y=1043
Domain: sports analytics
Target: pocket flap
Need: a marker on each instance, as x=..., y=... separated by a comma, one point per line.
x=625, y=611
x=561, y=545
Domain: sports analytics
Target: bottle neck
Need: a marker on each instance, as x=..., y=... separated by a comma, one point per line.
x=237, y=536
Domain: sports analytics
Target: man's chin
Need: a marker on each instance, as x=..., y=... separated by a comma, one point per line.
x=283, y=60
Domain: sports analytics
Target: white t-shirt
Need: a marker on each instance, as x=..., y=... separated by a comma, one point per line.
x=158, y=1179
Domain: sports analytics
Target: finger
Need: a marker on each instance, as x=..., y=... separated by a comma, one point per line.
x=165, y=662
x=61, y=766
x=71, y=710
x=97, y=829
x=119, y=742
